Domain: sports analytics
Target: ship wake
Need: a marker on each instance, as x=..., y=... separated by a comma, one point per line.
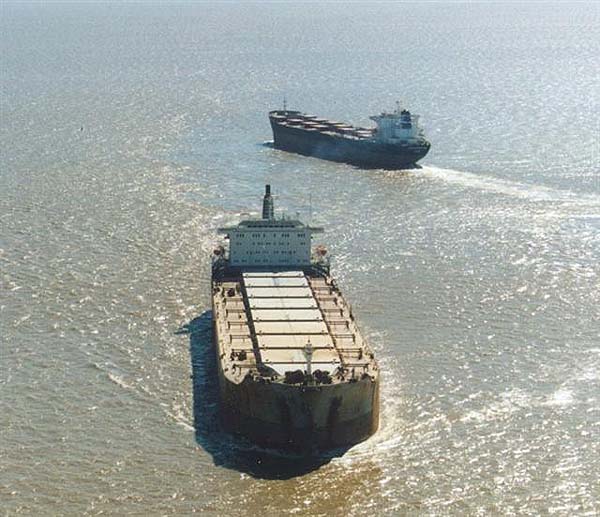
x=526, y=191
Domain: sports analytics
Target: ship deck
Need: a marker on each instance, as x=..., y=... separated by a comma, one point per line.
x=311, y=123
x=264, y=320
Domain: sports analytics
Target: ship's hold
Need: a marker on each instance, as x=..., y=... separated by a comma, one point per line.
x=294, y=369
x=397, y=142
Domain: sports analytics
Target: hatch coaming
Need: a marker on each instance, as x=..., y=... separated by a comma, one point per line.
x=264, y=322
x=310, y=123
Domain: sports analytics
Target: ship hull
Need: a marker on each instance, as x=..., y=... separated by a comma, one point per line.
x=361, y=152
x=295, y=417
x=300, y=418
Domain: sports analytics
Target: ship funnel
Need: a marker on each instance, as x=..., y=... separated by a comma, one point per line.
x=268, y=210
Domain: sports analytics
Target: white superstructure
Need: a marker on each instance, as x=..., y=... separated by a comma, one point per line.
x=270, y=241
x=397, y=127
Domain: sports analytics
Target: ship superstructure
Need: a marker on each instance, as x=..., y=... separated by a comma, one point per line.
x=294, y=370
x=396, y=142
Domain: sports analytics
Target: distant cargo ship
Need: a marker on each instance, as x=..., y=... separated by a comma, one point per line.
x=294, y=370
x=397, y=142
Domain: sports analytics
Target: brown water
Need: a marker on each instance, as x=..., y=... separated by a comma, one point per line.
x=130, y=133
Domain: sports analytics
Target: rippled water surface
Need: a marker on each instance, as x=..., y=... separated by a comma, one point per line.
x=129, y=133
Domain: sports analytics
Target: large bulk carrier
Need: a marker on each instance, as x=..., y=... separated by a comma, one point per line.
x=294, y=371
x=397, y=142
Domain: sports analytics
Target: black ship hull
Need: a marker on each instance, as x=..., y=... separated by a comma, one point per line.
x=362, y=152
x=300, y=418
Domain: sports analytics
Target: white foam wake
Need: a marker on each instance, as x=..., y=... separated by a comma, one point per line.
x=529, y=191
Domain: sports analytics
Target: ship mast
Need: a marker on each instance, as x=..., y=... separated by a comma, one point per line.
x=308, y=353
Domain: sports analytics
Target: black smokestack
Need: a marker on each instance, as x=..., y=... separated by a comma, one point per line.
x=268, y=211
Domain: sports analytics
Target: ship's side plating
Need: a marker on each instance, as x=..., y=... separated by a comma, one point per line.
x=294, y=370
x=397, y=141
x=301, y=418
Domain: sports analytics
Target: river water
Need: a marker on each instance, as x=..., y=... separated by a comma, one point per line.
x=131, y=132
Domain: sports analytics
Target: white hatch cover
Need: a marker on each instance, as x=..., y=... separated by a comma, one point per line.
x=294, y=341
x=283, y=303
x=286, y=315
x=273, y=274
x=290, y=327
x=275, y=282
x=279, y=292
